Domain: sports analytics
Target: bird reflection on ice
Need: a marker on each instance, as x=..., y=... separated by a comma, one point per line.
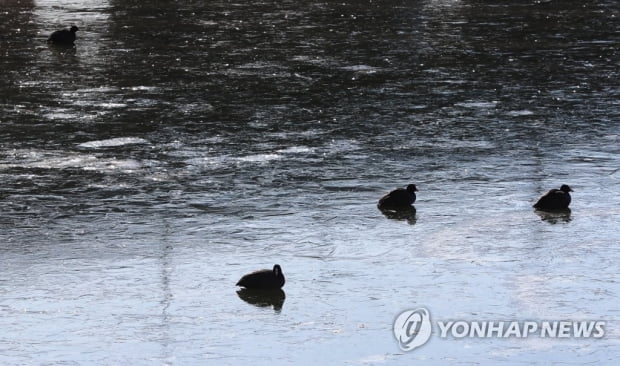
x=263, y=298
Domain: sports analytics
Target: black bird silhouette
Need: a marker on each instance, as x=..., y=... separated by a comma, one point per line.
x=398, y=198
x=555, y=199
x=63, y=37
x=265, y=279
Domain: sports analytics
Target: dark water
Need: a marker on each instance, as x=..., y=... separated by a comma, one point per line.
x=181, y=144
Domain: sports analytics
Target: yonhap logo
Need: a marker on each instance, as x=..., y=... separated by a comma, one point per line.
x=412, y=328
